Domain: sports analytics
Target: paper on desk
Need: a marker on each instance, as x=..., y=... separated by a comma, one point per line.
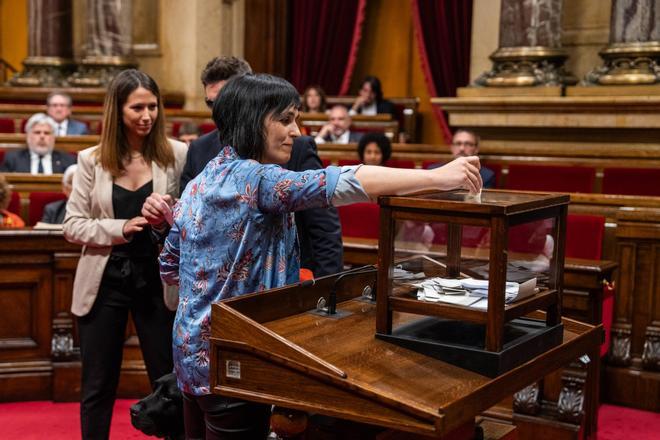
x=48, y=226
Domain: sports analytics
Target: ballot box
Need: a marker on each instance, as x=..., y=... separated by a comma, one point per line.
x=471, y=268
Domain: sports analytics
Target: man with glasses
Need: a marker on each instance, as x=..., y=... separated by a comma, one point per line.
x=466, y=143
x=58, y=107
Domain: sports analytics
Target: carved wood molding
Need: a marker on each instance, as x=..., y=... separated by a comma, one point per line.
x=528, y=400
x=651, y=350
x=620, y=347
x=570, y=404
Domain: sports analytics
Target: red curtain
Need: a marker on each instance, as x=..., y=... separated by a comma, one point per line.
x=325, y=36
x=443, y=29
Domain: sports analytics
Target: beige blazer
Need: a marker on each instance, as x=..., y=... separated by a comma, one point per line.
x=90, y=219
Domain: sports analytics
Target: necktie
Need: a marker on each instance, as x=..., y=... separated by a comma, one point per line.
x=40, y=167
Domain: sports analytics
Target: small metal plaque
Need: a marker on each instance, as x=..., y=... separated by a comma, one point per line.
x=233, y=370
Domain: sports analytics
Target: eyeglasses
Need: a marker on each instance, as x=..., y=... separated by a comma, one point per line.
x=464, y=144
x=209, y=103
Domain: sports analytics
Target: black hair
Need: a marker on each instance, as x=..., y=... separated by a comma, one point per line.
x=223, y=68
x=381, y=140
x=375, y=86
x=241, y=108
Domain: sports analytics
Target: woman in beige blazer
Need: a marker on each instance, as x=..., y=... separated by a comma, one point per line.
x=118, y=270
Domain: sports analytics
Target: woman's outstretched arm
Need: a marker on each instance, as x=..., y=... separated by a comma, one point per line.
x=461, y=173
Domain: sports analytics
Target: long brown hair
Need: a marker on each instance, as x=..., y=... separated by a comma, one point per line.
x=114, y=144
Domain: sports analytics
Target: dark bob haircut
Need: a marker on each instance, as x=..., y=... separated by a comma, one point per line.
x=381, y=140
x=375, y=86
x=241, y=108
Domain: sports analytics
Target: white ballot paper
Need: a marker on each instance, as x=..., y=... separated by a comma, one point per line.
x=469, y=292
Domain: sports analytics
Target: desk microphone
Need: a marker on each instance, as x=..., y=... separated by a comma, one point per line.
x=332, y=299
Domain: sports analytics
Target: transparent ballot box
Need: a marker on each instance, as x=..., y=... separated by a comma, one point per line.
x=475, y=270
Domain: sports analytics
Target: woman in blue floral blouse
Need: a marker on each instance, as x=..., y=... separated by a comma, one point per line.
x=234, y=231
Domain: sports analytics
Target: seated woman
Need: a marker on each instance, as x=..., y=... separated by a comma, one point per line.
x=374, y=149
x=234, y=233
x=370, y=99
x=7, y=219
x=314, y=100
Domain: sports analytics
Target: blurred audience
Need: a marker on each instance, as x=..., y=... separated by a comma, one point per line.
x=314, y=100
x=54, y=211
x=189, y=132
x=337, y=130
x=374, y=149
x=39, y=157
x=370, y=99
x=7, y=219
x=58, y=107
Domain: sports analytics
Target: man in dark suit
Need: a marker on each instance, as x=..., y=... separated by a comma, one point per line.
x=54, y=211
x=39, y=157
x=337, y=130
x=58, y=106
x=466, y=143
x=319, y=230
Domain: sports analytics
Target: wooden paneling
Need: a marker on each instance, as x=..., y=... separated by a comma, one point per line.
x=266, y=29
x=39, y=352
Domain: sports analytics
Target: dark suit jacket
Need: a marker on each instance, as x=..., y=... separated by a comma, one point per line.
x=74, y=128
x=319, y=230
x=487, y=175
x=353, y=138
x=19, y=161
x=54, y=212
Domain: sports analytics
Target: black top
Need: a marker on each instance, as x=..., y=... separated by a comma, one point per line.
x=126, y=205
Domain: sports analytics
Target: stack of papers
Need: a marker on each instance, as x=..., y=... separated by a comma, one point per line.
x=468, y=291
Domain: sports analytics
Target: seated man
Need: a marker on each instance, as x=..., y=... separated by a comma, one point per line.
x=58, y=107
x=39, y=157
x=466, y=143
x=370, y=99
x=189, y=132
x=54, y=211
x=336, y=131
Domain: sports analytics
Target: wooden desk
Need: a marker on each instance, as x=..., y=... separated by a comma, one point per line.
x=278, y=352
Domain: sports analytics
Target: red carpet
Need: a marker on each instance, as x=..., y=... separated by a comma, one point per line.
x=59, y=421
x=620, y=423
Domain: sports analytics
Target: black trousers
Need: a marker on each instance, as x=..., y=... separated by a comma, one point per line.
x=212, y=417
x=127, y=285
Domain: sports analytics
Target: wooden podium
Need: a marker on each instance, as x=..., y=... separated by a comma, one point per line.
x=271, y=347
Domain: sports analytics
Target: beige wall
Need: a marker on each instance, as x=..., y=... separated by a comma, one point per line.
x=13, y=32
x=585, y=24
x=193, y=32
x=485, y=35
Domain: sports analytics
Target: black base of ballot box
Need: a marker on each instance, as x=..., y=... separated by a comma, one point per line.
x=462, y=343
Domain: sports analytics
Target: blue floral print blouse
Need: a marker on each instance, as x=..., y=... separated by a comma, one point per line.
x=233, y=234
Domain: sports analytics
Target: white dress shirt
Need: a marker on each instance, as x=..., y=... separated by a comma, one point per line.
x=62, y=127
x=369, y=110
x=47, y=163
x=343, y=139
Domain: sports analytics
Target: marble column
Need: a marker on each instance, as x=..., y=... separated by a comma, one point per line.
x=529, y=52
x=633, y=54
x=108, y=43
x=50, y=51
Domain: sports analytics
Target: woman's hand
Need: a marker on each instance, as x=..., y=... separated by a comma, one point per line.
x=359, y=103
x=157, y=208
x=461, y=173
x=136, y=224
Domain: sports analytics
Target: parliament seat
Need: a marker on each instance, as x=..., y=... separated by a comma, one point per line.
x=360, y=220
x=38, y=200
x=7, y=125
x=396, y=163
x=15, y=203
x=345, y=162
x=631, y=181
x=551, y=178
